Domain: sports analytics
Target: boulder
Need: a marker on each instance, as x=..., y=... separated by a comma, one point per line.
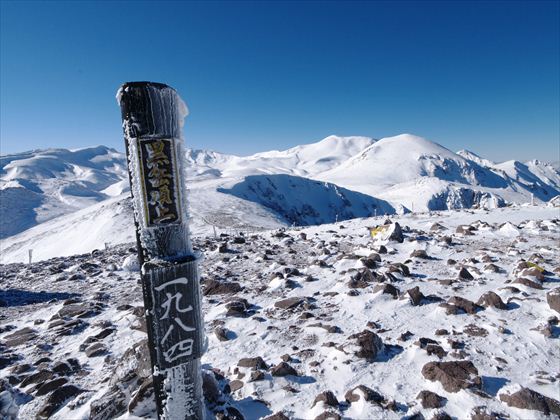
x=369, y=345
x=453, y=376
x=528, y=399
x=327, y=397
x=491, y=299
x=430, y=399
x=553, y=299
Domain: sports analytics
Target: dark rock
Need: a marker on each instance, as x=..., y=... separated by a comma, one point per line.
x=277, y=416
x=57, y=399
x=7, y=359
x=110, y=405
x=96, y=349
x=370, y=344
x=210, y=387
x=491, y=299
x=289, y=303
x=237, y=308
x=253, y=363
x=283, y=369
x=528, y=399
x=41, y=376
x=328, y=415
x=529, y=283
x=326, y=397
x=453, y=376
x=464, y=274
x=436, y=350
x=464, y=304
x=553, y=299
x=145, y=391
x=235, y=385
x=430, y=399
x=49, y=386
x=442, y=332
x=256, y=375
x=221, y=333
x=420, y=253
x=216, y=287
x=475, y=331
x=415, y=296
x=388, y=289
x=369, y=395
x=19, y=337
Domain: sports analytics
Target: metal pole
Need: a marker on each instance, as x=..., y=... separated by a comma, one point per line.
x=152, y=115
x=30, y=255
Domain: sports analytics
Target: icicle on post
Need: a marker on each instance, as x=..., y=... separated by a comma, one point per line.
x=152, y=115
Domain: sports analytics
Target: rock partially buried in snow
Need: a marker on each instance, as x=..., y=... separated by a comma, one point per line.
x=289, y=303
x=491, y=299
x=283, y=369
x=430, y=399
x=253, y=363
x=453, y=376
x=528, y=399
x=369, y=345
x=327, y=397
x=388, y=232
x=362, y=391
x=553, y=299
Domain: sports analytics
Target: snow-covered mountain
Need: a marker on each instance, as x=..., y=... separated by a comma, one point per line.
x=334, y=179
x=40, y=185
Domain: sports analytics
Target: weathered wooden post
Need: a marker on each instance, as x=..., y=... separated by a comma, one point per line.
x=152, y=115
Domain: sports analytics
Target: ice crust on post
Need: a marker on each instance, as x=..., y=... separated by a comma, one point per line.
x=153, y=117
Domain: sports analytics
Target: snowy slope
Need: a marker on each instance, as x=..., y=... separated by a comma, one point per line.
x=302, y=201
x=79, y=321
x=38, y=186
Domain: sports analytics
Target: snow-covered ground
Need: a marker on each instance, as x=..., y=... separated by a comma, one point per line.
x=78, y=320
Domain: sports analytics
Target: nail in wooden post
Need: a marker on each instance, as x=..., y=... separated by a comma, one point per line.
x=152, y=115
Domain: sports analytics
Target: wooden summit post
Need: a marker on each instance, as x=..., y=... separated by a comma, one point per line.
x=152, y=115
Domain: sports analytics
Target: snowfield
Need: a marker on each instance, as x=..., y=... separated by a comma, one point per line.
x=449, y=314
x=55, y=196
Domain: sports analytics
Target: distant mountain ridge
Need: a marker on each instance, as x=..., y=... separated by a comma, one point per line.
x=335, y=178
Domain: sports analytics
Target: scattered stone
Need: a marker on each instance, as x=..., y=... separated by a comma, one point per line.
x=49, y=386
x=216, y=287
x=327, y=397
x=420, y=253
x=453, y=376
x=464, y=274
x=528, y=399
x=237, y=308
x=415, y=296
x=370, y=345
x=235, y=385
x=388, y=289
x=96, y=349
x=110, y=405
x=253, y=362
x=20, y=337
x=463, y=304
x=529, y=283
x=328, y=415
x=553, y=299
x=430, y=399
x=289, y=303
x=362, y=391
x=491, y=299
x=277, y=416
x=57, y=399
x=283, y=369
x=221, y=333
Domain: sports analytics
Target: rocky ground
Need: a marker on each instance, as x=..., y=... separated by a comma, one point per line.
x=441, y=315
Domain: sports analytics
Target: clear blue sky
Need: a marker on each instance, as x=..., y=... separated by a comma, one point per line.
x=270, y=75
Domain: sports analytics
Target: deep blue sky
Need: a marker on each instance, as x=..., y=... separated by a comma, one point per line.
x=262, y=75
